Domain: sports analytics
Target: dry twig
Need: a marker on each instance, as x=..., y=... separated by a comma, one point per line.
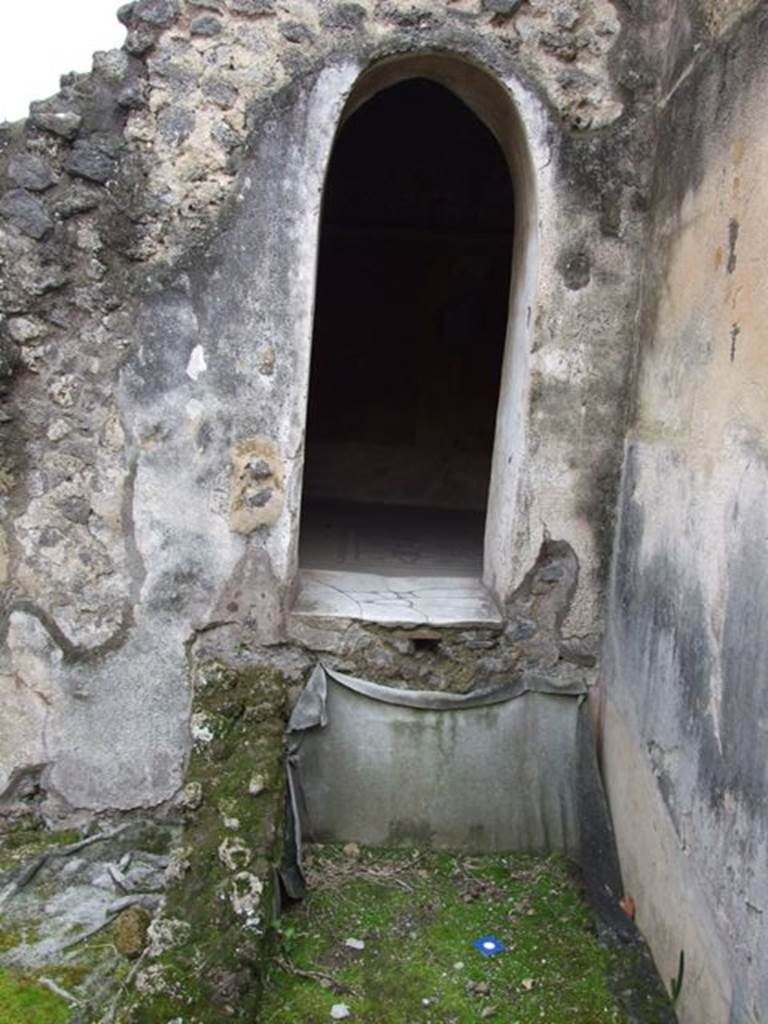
x=326, y=980
x=109, y=1016
x=84, y=936
x=331, y=874
x=57, y=990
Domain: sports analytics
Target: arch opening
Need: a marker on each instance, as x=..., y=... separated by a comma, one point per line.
x=411, y=312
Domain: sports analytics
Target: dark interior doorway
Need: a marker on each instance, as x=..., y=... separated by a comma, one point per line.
x=410, y=321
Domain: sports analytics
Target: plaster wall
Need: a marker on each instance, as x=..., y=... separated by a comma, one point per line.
x=685, y=677
x=159, y=224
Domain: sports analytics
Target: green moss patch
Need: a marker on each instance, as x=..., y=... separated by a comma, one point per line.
x=418, y=916
x=207, y=950
x=10, y=938
x=24, y=1001
x=23, y=842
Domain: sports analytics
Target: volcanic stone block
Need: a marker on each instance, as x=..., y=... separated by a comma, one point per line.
x=26, y=212
x=31, y=172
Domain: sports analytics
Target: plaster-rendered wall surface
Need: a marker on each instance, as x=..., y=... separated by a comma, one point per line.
x=686, y=673
x=158, y=230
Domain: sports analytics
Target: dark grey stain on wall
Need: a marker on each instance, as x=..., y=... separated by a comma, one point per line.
x=743, y=767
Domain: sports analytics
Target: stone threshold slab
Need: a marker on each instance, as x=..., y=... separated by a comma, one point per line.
x=395, y=600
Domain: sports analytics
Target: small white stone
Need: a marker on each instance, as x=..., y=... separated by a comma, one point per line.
x=72, y=867
x=256, y=785
x=24, y=330
x=57, y=430
x=64, y=390
x=340, y=1011
x=191, y=796
x=201, y=730
x=355, y=944
x=197, y=363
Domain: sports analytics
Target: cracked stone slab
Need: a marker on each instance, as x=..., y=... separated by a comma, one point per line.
x=395, y=600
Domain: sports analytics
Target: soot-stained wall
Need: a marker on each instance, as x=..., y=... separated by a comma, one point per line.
x=686, y=673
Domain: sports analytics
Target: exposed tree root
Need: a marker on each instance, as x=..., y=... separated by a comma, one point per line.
x=28, y=871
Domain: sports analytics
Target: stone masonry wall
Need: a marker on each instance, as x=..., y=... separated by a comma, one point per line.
x=159, y=220
x=158, y=235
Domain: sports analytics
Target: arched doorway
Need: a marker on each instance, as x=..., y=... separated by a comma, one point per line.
x=411, y=315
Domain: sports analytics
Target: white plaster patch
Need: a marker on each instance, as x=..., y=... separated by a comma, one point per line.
x=197, y=363
x=22, y=724
x=245, y=896
x=194, y=408
x=234, y=854
x=166, y=932
x=562, y=365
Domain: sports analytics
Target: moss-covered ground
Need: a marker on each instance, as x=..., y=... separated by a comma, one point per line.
x=24, y=1001
x=418, y=915
x=43, y=934
x=20, y=843
x=89, y=973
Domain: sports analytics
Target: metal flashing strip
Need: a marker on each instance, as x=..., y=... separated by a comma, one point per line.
x=486, y=771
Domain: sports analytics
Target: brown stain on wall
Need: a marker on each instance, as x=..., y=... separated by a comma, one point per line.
x=719, y=15
x=708, y=324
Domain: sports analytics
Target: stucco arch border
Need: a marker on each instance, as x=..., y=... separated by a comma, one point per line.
x=514, y=116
